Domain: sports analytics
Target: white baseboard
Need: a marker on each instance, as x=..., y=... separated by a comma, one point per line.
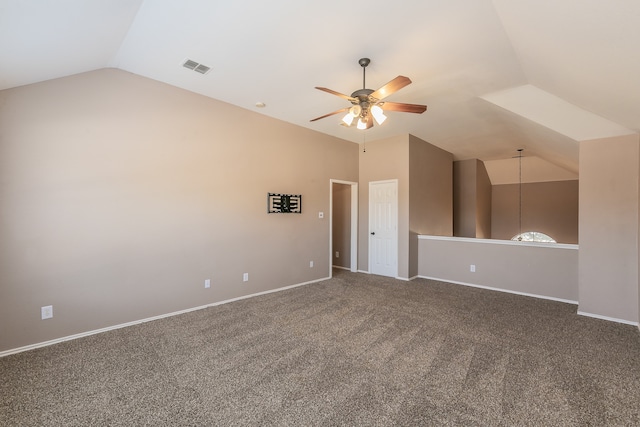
x=341, y=267
x=502, y=290
x=581, y=313
x=610, y=319
x=148, y=319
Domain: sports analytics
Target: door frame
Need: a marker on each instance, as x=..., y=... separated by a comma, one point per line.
x=370, y=257
x=354, y=224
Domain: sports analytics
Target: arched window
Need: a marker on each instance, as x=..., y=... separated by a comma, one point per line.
x=533, y=236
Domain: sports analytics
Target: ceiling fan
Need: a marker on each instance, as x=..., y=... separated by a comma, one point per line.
x=368, y=105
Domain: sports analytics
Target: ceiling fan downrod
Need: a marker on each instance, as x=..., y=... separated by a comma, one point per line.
x=363, y=63
x=362, y=95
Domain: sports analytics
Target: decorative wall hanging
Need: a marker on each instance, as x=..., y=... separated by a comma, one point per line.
x=284, y=203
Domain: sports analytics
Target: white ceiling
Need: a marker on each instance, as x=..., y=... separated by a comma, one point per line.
x=458, y=53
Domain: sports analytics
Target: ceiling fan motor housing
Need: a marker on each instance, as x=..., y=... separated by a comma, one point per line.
x=362, y=94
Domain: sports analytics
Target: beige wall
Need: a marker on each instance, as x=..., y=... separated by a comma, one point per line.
x=341, y=233
x=547, y=207
x=464, y=198
x=425, y=196
x=430, y=195
x=121, y=195
x=383, y=160
x=528, y=268
x=609, y=212
x=484, y=196
x=471, y=199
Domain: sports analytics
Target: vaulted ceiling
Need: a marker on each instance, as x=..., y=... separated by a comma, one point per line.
x=497, y=75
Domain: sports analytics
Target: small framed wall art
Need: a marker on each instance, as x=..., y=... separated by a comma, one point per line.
x=284, y=203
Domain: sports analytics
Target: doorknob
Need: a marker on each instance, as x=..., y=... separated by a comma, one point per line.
x=373, y=233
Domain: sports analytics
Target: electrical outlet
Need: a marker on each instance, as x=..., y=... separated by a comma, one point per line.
x=245, y=277
x=310, y=264
x=472, y=268
x=207, y=283
x=46, y=312
x=337, y=254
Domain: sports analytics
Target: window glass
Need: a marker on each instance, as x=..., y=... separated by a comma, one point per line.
x=533, y=236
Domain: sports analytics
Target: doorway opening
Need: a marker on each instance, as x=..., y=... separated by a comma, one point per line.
x=343, y=225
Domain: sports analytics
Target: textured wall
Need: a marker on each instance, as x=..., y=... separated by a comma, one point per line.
x=609, y=171
x=550, y=272
x=424, y=174
x=471, y=199
x=547, y=207
x=383, y=160
x=121, y=195
x=483, y=202
x=430, y=195
x=464, y=198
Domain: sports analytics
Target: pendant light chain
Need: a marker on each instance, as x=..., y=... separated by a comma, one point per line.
x=520, y=191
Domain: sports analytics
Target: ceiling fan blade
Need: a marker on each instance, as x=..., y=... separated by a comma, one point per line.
x=391, y=87
x=333, y=92
x=331, y=114
x=405, y=108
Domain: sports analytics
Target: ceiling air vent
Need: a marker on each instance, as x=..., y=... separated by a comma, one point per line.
x=195, y=66
x=202, y=69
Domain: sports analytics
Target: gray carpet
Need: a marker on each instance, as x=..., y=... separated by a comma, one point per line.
x=353, y=350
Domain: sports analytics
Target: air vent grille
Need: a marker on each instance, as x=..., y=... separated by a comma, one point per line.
x=202, y=69
x=196, y=66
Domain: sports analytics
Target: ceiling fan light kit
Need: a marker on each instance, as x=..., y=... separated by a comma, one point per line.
x=354, y=112
x=378, y=114
x=368, y=105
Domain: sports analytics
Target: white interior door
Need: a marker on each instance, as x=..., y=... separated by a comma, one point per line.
x=383, y=228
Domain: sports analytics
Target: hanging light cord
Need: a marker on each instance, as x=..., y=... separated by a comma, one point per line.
x=520, y=192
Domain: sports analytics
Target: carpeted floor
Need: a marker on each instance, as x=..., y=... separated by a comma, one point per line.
x=354, y=350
